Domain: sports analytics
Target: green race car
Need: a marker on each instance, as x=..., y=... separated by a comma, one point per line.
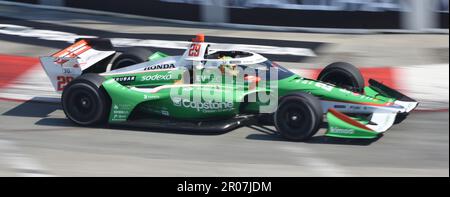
x=213, y=89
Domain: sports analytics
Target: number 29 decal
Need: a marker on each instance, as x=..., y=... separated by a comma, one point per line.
x=63, y=81
x=194, y=51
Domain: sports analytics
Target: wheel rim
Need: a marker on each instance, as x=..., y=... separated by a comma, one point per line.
x=82, y=105
x=294, y=118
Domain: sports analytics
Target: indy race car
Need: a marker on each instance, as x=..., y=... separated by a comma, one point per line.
x=213, y=89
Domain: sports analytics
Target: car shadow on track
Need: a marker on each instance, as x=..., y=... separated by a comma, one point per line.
x=64, y=122
x=34, y=108
x=38, y=109
x=269, y=134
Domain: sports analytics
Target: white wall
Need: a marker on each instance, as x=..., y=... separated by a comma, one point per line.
x=420, y=16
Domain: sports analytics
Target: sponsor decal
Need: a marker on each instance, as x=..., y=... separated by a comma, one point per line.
x=151, y=97
x=342, y=131
x=120, y=112
x=355, y=107
x=325, y=87
x=157, y=77
x=165, y=113
x=346, y=91
x=119, y=117
x=208, y=78
x=160, y=67
x=177, y=101
x=204, y=106
x=340, y=106
x=125, y=79
x=235, y=62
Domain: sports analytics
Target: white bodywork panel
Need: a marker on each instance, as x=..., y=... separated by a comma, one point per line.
x=381, y=117
x=60, y=74
x=193, y=57
x=409, y=106
x=360, y=108
x=68, y=64
x=383, y=121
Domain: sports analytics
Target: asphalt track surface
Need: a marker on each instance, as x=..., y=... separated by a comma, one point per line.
x=37, y=140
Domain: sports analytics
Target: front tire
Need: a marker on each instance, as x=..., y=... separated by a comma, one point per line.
x=343, y=75
x=298, y=116
x=85, y=102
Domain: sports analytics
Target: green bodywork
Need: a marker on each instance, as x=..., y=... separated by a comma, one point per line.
x=157, y=56
x=216, y=99
x=340, y=128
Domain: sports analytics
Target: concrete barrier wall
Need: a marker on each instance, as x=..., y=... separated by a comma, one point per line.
x=155, y=8
x=418, y=15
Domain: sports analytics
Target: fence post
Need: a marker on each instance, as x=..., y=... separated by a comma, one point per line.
x=215, y=11
x=420, y=16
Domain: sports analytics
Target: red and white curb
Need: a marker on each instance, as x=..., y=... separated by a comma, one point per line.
x=429, y=84
x=23, y=79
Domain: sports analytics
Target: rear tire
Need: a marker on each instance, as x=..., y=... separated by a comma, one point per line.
x=85, y=102
x=343, y=75
x=131, y=57
x=298, y=116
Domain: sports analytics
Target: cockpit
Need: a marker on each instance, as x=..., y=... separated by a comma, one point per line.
x=231, y=54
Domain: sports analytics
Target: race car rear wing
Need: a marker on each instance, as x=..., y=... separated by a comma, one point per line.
x=69, y=63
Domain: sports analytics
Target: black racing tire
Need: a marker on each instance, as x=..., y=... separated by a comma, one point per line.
x=130, y=57
x=85, y=102
x=298, y=116
x=343, y=75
